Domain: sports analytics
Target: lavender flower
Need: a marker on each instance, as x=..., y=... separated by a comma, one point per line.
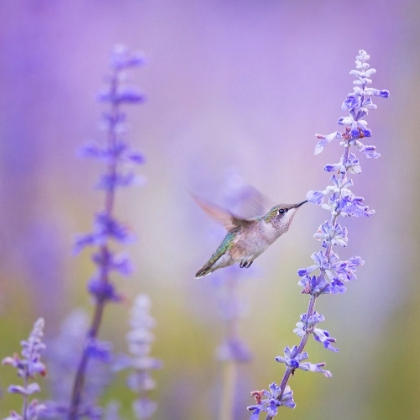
x=27, y=368
x=63, y=359
x=332, y=272
x=275, y=398
x=293, y=359
x=139, y=340
x=118, y=158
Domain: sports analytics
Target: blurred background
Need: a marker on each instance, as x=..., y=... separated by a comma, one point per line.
x=233, y=87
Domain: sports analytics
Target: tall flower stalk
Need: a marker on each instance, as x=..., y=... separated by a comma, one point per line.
x=140, y=363
x=328, y=274
x=28, y=366
x=116, y=154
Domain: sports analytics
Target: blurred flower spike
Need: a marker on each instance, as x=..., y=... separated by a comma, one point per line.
x=140, y=363
x=119, y=160
x=329, y=273
x=27, y=368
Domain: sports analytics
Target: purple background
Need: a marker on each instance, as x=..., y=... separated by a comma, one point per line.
x=231, y=85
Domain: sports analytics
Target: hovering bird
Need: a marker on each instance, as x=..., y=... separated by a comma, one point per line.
x=247, y=238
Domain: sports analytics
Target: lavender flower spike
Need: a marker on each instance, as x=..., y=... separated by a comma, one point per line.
x=118, y=159
x=27, y=368
x=329, y=273
x=139, y=340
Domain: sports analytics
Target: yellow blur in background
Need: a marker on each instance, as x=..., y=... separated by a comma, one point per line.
x=237, y=85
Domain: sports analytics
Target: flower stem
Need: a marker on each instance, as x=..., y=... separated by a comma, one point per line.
x=311, y=306
x=93, y=331
x=25, y=397
x=228, y=396
x=302, y=344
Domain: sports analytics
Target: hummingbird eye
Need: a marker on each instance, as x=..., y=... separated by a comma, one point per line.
x=282, y=211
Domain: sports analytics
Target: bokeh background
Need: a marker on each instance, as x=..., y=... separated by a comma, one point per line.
x=232, y=86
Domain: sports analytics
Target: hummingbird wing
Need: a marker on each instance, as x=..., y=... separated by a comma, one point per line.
x=248, y=202
x=223, y=216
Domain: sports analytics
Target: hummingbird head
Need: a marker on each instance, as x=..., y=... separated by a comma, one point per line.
x=281, y=215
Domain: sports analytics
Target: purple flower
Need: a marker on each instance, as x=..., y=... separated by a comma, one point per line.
x=140, y=339
x=274, y=399
x=122, y=58
x=118, y=262
x=317, y=367
x=315, y=197
x=136, y=157
x=103, y=291
x=105, y=228
x=322, y=262
x=256, y=411
x=306, y=325
x=314, y=286
x=110, y=182
x=336, y=286
x=28, y=390
x=369, y=151
x=34, y=410
x=346, y=270
x=350, y=205
x=331, y=234
x=100, y=350
x=324, y=140
x=350, y=164
x=27, y=368
x=323, y=337
x=294, y=360
x=352, y=101
x=340, y=200
x=292, y=357
x=32, y=348
x=115, y=153
x=108, y=227
x=105, y=154
x=119, y=151
x=122, y=95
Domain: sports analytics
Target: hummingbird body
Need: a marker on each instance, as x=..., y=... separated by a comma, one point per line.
x=246, y=238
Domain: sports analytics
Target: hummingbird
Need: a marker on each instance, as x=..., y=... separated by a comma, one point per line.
x=246, y=238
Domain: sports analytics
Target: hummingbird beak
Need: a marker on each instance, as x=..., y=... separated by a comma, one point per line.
x=298, y=205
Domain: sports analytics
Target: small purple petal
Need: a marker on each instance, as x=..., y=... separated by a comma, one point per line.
x=382, y=93
x=110, y=182
x=100, y=350
x=123, y=95
x=136, y=157
x=122, y=58
x=103, y=290
x=315, y=197
x=324, y=140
